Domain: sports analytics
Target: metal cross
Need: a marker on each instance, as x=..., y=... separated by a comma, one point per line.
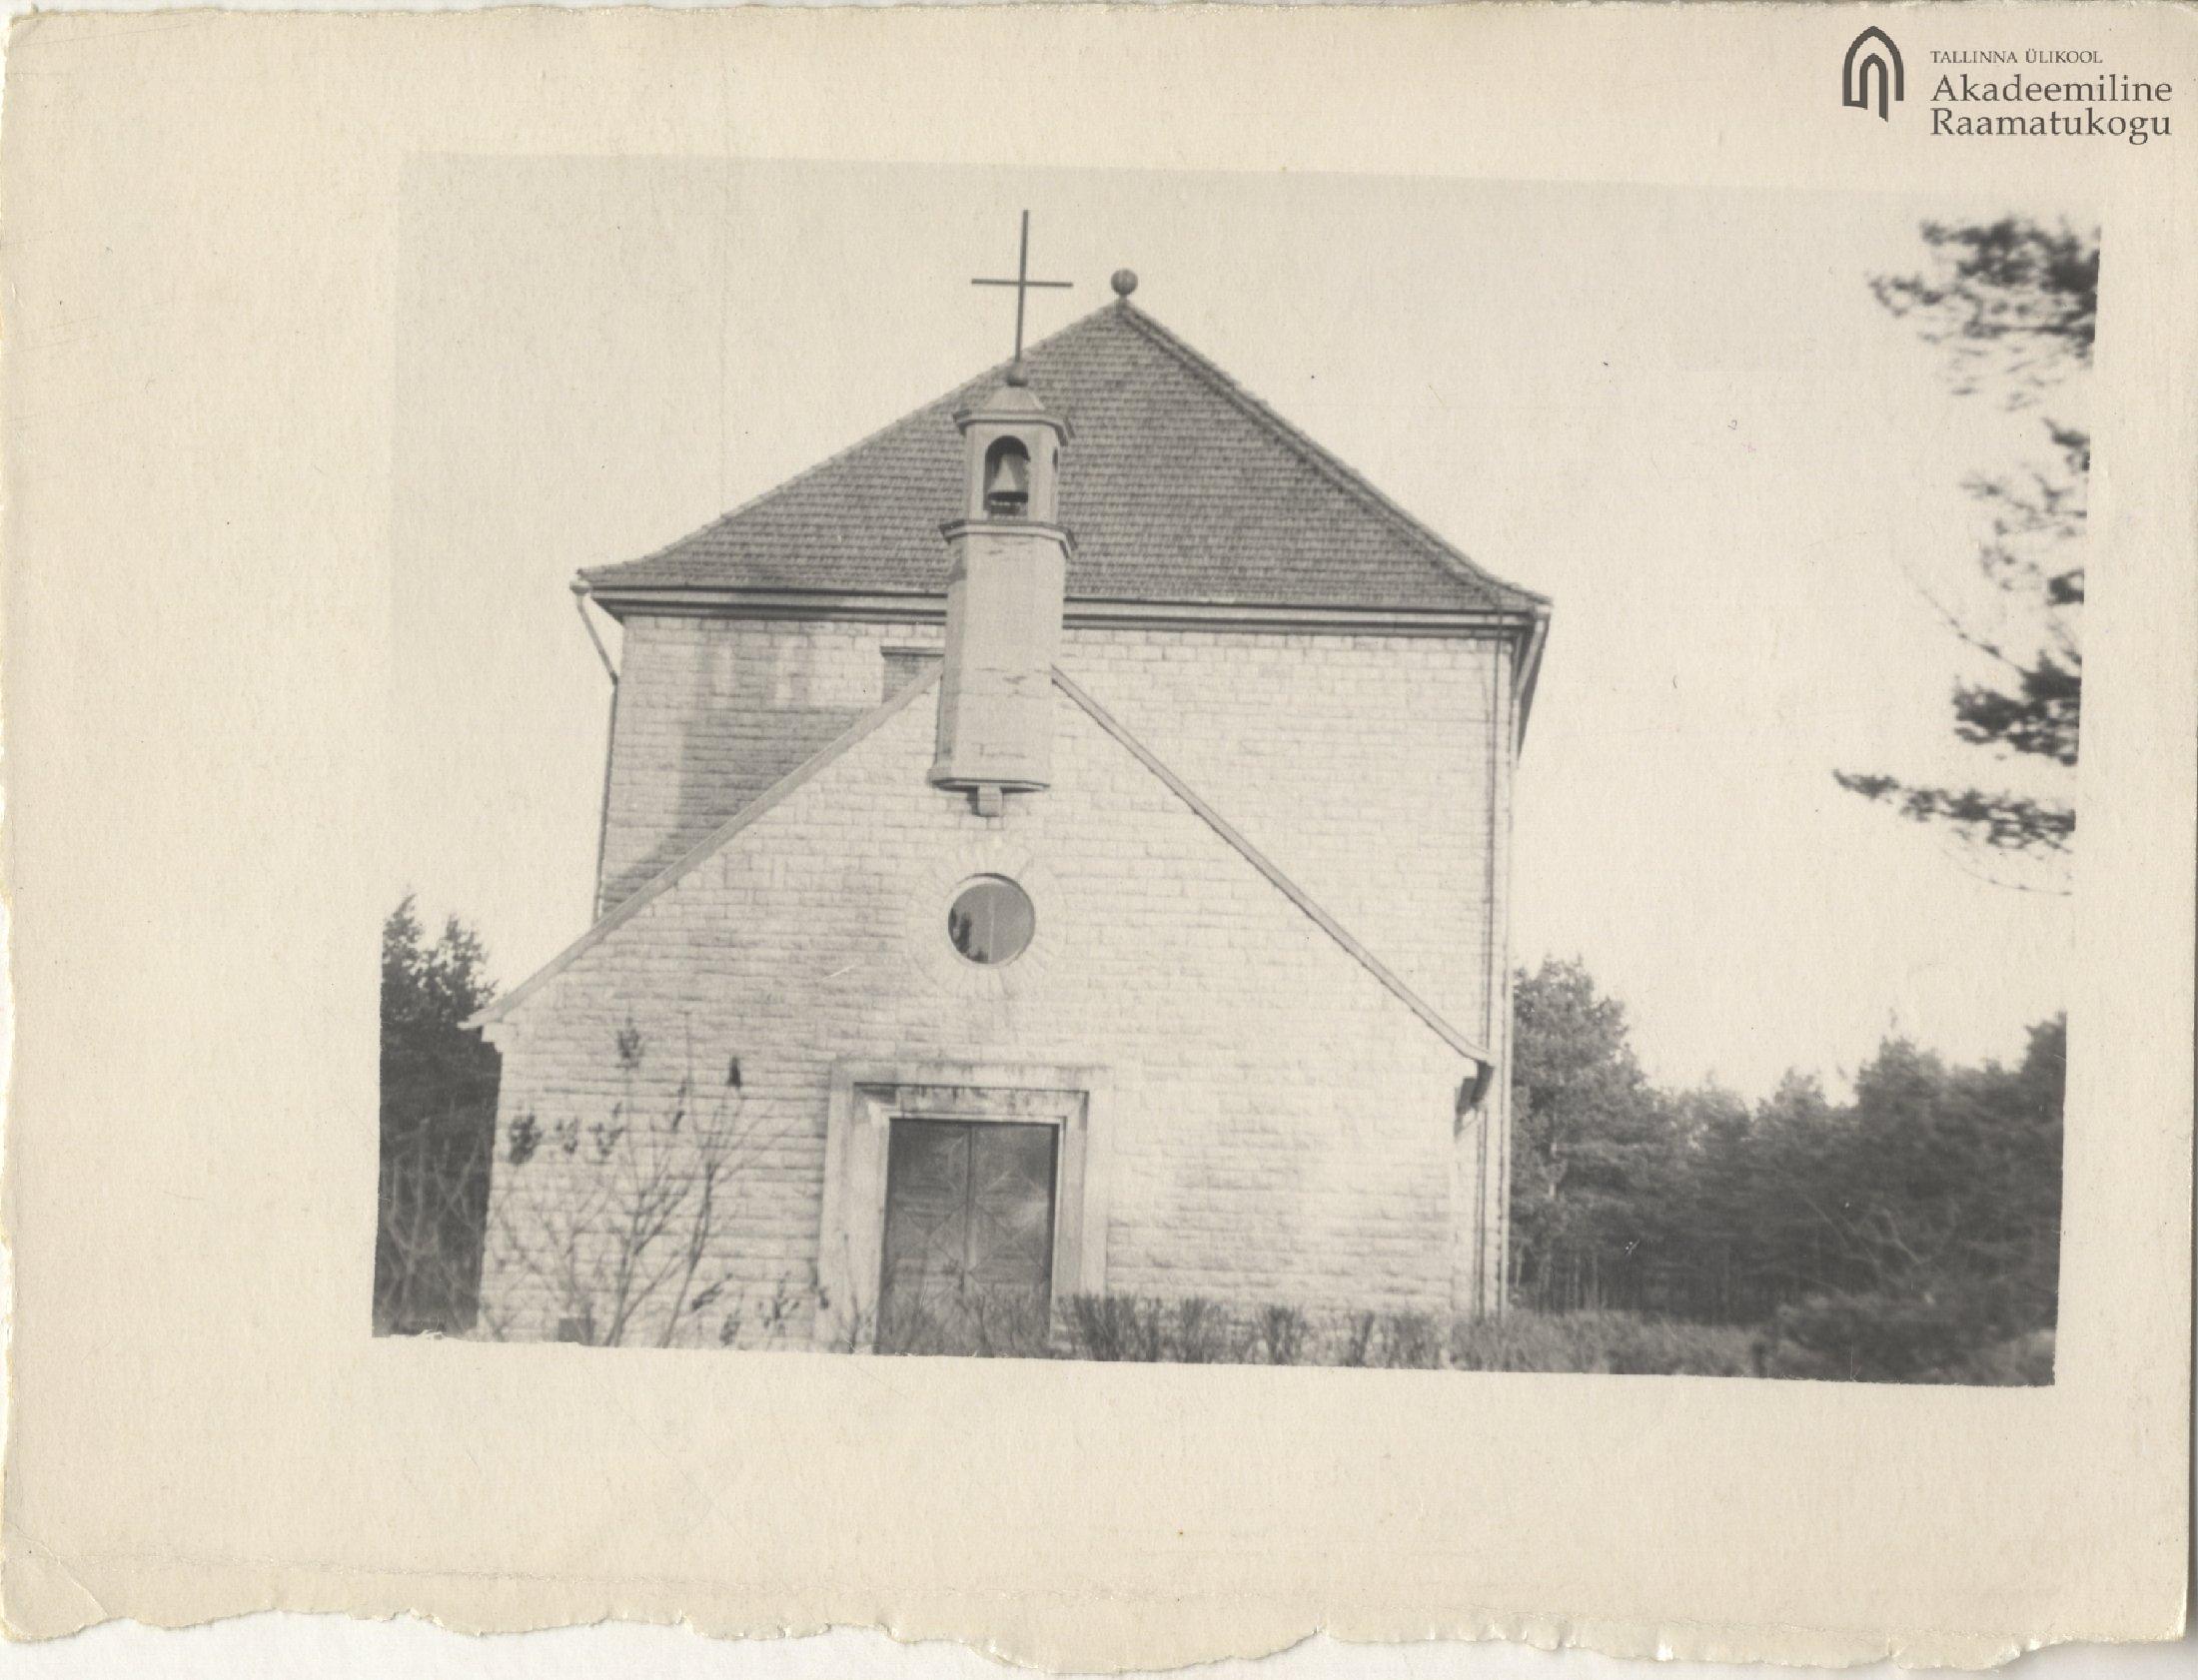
x=1022, y=284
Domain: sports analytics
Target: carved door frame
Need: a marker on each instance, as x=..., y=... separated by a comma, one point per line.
x=866, y=1097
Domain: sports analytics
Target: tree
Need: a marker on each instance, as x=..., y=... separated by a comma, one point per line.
x=2016, y=307
x=1712, y=1252
x=610, y=1229
x=1939, y=1199
x=439, y=1096
x=1592, y=1149
x=1910, y=1234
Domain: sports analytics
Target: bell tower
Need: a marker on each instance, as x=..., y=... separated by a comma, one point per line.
x=1007, y=568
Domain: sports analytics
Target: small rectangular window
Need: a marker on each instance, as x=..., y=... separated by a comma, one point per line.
x=904, y=666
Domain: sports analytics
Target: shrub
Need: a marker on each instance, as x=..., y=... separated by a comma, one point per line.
x=1114, y=1327
x=1198, y=1330
x=1864, y=1337
x=978, y=1325
x=2023, y=1361
x=1356, y=1343
x=1201, y=1332
x=608, y=1224
x=1281, y=1334
x=1410, y=1341
x=1623, y=1344
x=1668, y=1347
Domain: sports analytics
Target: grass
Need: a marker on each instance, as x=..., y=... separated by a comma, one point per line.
x=1621, y=1344
x=1195, y=1330
x=1198, y=1331
x=1145, y=1329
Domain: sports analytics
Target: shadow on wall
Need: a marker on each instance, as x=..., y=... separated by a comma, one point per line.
x=748, y=711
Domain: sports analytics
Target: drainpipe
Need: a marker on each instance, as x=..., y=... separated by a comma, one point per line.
x=611, y=735
x=1527, y=671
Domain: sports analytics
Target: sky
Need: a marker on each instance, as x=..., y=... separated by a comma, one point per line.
x=1677, y=412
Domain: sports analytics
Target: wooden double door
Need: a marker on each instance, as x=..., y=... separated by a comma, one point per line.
x=968, y=1240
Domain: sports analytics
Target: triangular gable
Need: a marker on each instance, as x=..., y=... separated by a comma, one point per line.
x=1178, y=485
x=702, y=851
x=1289, y=889
x=808, y=772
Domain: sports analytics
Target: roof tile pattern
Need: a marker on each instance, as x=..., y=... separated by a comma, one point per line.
x=1177, y=486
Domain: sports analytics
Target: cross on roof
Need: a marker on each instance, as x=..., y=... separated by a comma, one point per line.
x=1022, y=284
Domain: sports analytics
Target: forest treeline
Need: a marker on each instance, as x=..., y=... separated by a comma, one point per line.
x=1908, y=1233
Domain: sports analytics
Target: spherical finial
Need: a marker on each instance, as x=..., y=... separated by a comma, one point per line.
x=1124, y=282
x=1015, y=372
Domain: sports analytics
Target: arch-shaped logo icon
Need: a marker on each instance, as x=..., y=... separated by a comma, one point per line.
x=1873, y=62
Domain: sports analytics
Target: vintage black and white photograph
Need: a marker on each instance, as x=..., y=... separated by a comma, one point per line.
x=1233, y=770
x=1198, y=834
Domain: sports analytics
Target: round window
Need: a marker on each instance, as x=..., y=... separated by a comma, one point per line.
x=991, y=920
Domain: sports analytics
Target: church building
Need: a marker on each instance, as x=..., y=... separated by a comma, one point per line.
x=1054, y=852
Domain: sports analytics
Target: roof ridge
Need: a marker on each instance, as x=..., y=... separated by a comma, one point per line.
x=1318, y=456
x=997, y=371
x=1259, y=860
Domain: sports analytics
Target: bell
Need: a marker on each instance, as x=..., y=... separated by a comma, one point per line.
x=1007, y=481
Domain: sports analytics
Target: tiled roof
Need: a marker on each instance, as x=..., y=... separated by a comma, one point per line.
x=1177, y=486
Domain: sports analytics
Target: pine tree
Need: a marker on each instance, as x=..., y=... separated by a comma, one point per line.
x=2015, y=304
x=438, y=1091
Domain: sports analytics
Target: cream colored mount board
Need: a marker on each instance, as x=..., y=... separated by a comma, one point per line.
x=1362, y=903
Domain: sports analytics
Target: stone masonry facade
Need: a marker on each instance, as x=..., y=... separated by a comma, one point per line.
x=1375, y=769
x=1280, y=1125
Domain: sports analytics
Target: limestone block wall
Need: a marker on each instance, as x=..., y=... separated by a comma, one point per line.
x=709, y=713
x=1373, y=769
x=1279, y=1125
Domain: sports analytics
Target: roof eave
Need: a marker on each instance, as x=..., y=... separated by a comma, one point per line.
x=1081, y=611
x=1526, y=676
x=1436, y=550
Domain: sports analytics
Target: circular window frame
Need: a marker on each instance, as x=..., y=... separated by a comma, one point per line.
x=963, y=889
x=933, y=887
